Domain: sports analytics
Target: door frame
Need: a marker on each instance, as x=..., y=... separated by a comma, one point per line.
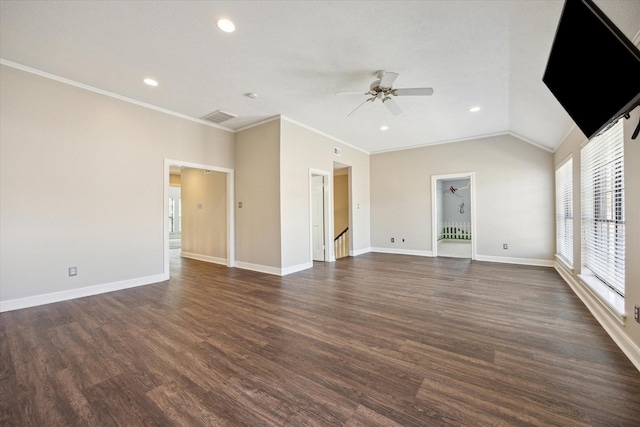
x=231, y=251
x=329, y=256
x=435, y=204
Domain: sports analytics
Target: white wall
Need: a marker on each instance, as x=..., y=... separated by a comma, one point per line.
x=514, y=197
x=66, y=154
x=451, y=201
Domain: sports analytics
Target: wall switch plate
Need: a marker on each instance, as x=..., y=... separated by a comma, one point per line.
x=73, y=271
x=636, y=313
x=239, y=204
x=505, y=246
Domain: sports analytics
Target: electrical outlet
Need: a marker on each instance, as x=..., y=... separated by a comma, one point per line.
x=636, y=313
x=505, y=246
x=73, y=271
x=393, y=240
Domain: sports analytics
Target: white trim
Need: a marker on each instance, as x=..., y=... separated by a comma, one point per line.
x=470, y=138
x=327, y=194
x=259, y=268
x=86, y=291
x=519, y=261
x=262, y=122
x=357, y=252
x=561, y=260
x=434, y=208
x=413, y=252
x=302, y=125
x=296, y=268
x=109, y=94
x=611, y=324
x=231, y=251
x=205, y=258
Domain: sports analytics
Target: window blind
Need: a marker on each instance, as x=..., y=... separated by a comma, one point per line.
x=603, y=207
x=564, y=212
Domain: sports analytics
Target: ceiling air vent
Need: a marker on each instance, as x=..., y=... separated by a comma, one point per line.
x=218, y=116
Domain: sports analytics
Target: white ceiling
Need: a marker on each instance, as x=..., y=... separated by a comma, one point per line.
x=296, y=54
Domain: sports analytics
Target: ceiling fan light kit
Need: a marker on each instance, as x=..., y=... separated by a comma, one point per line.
x=382, y=89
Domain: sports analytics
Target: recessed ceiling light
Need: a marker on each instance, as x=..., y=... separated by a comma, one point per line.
x=226, y=25
x=474, y=109
x=384, y=127
x=150, y=82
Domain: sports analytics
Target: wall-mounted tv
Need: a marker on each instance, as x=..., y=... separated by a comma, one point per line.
x=593, y=69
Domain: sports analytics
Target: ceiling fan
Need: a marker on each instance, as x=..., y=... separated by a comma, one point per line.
x=382, y=89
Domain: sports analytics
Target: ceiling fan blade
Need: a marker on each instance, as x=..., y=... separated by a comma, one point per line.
x=387, y=79
x=416, y=91
x=358, y=92
x=359, y=106
x=392, y=106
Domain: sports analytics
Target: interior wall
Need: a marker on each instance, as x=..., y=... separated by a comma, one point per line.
x=303, y=149
x=204, y=214
x=174, y=180
x=451, y=201
x=82, y=185
x=257, y=189
x=340, y=202
x=571, y=147
x=514, y=197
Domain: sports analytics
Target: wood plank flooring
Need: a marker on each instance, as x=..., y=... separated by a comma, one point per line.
x=376, y=340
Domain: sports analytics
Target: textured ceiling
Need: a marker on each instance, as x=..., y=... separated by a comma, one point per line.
x=296, y=54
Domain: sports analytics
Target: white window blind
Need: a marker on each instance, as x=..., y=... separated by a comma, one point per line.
x=603, y=207
x=564, y=212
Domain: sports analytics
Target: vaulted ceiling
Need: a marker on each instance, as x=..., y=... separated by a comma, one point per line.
x=295, y=56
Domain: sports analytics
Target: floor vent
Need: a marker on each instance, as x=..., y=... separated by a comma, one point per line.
x=218, y=116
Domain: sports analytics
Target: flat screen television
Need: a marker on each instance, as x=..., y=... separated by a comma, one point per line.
x=593, y=69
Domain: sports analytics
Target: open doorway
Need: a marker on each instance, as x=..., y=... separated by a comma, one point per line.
x=175, y=208
x=453, y=215
x=202, y=217
x=342, y=245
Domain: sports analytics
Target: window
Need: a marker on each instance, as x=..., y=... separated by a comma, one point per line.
x=603, y=208
x=564, y=212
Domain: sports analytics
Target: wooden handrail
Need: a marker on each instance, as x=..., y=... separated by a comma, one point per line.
x=340, y=235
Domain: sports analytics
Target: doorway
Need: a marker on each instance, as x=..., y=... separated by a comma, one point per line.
x=319, y=205
x=175, y=216
x=453, y=229
x=342, y=229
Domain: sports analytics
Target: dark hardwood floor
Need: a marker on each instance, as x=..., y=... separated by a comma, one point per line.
x=376, y=340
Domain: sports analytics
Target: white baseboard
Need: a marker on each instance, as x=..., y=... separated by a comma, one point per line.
x=613, y=327
x=402, y=251
x=33, y=301
x=359, y=252
x=259, y=268
x=520, y=261
x=296, y=268
x=206, y=258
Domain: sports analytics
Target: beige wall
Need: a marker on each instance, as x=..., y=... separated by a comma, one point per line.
x=82, y=184
x=257, y=187
x=628, y=335
x=303, y=149
x=204, y=214
x=340, y=203
x=514, y=197
x=174, y=180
